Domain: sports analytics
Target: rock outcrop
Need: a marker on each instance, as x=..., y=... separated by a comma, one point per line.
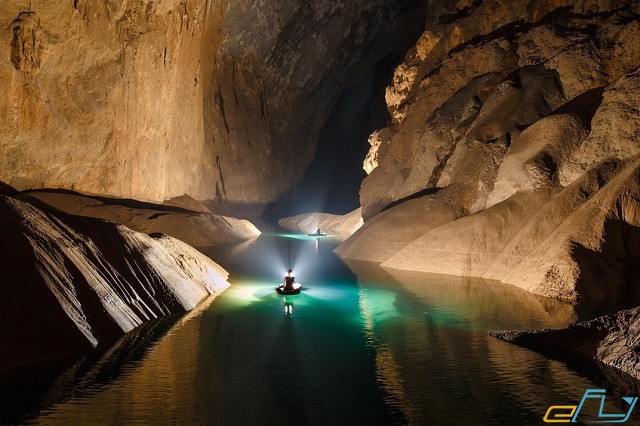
x=513, y=152
x=341, y=225
x=613, y=340
x=70, y=283
x=182, y=218
x=151, y=100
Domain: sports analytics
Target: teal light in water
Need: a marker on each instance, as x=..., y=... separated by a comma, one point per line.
x=296, y=236
x=377, y=305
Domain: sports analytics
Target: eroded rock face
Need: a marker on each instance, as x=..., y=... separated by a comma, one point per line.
x=70, y=283
x=103, y=97
x=470, y=86
x=182, y=218
x=612, y=340
x=513, y=153
x=151, y=100
x=278, y=71
x=342, y=225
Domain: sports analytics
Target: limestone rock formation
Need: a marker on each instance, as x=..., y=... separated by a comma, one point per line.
x=304, y=54
x=150, y=100
x=341, y=225
x=70, y=283
x=513, y=152
x=183, y=218
x=613, y=340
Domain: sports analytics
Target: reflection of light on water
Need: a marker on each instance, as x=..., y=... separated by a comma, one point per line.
x=450, y=316
x=296, y=236
x=326, y=294
x=377, y=306
x=246, y=293
x=380, y=304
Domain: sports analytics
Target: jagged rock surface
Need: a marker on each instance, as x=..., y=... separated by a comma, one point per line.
x=183, y=218
x=151, y=100
x=341, y=225
x=613, y=340
x=70, y=283
x=513, y=153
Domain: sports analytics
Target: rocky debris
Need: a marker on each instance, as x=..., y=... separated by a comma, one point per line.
x=613, y=340
x=183, y=218
x=513, y=151
x=152, y=100
x=70, y=283
x=341, y=225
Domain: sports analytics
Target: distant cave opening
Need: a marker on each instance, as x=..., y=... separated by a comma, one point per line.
x=331, y=183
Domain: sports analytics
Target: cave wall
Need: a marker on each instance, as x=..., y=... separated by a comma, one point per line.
x=103, y=97
x=276, y=75
x=513, y=148
x=150, y=100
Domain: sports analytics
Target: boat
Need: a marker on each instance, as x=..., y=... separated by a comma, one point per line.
x=295, y=290
x=289, y=286
x=317, y=234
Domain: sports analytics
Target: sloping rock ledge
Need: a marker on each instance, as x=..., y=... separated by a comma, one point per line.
x=341, y=225
x=69, y=283
x=613, y=340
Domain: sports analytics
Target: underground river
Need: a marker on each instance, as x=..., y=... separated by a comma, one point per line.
x=362, y=346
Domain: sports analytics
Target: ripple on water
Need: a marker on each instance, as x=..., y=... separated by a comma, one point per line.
x=363, y=345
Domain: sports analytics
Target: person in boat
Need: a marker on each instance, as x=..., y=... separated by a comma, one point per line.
x=318, y=231
x=288, y=281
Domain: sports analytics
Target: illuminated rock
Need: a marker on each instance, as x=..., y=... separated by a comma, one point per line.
x=612, y=340
x=341, y=225
x=513, y=154
x=69, y=283
x=182, y=218
x=153, y=100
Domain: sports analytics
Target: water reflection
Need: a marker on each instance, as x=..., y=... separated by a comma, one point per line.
x=359, y=345
x=438, y=365
x=469, y=303
x=287, y=301
x=25, y=392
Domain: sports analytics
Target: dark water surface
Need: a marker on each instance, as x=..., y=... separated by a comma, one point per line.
x=362, y=346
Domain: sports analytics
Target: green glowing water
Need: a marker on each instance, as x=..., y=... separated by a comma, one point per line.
x=362, y=346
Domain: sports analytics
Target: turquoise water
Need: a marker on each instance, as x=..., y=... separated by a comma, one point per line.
x=362, y=346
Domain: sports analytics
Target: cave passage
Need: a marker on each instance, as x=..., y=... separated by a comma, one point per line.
x=361, y=346
x=332, y=181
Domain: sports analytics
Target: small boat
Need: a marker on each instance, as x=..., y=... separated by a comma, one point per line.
x=289, y=286
x=295, y=290
x=317, y=234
